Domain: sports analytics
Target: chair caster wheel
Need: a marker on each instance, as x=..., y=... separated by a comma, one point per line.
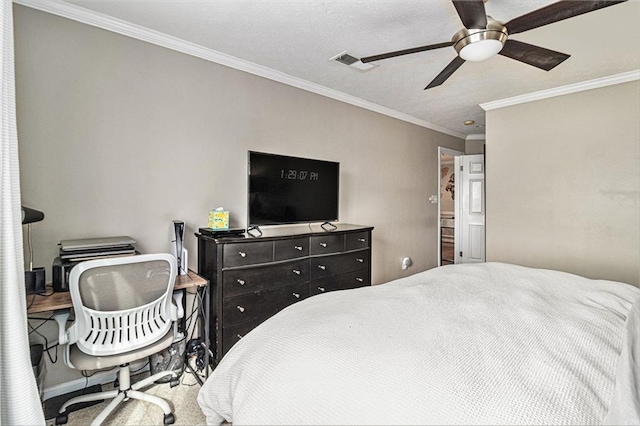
x=62, y=419
x=169, y=419
x=174, y=383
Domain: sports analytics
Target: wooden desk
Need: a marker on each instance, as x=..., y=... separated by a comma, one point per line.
x=52, y=301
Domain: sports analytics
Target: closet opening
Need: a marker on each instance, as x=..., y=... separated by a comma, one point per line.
x=446, y=205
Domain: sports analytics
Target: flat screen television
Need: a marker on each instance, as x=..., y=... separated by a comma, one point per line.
x=284, y=190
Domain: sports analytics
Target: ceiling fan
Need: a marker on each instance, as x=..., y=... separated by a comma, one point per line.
x=483, y=37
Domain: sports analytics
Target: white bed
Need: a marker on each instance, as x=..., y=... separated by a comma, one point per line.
x=463, y=344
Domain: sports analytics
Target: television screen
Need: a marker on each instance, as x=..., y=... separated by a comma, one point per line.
x=286, y=189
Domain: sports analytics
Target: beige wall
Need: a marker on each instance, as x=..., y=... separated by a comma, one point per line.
x=119, y=137
x=474, y=146
x=563, y=183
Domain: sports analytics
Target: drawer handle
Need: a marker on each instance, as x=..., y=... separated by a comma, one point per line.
x=296, y=295
x=362, y=240
x=299, y=248
x=240, y=308
x=360, y=280
x=322, y=267
x=242, y=254
x=295, y=271
x=321, y=289
x=323, y=244
x=240, y=336
x=360, y=260
x=241, y=282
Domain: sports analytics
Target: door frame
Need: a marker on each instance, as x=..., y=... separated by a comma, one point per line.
x=442, y=150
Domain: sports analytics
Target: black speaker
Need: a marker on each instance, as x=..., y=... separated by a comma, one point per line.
x=34, y=281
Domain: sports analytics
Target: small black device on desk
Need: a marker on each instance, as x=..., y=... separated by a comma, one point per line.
x=60, y=271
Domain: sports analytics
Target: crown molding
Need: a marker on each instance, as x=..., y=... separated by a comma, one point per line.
x=476, y=137
x=98, y=20
x=563, y=90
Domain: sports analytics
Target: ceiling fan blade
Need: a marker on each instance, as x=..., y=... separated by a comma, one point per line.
x=556, y=12
x=446, y=73
x=471, y=13
x=537, y=56
x=405, y=52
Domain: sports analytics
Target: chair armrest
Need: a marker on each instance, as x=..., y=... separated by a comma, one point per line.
x=176, y=309
x=61, y=317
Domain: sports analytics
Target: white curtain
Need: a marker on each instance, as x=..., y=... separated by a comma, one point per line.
x=20, y=402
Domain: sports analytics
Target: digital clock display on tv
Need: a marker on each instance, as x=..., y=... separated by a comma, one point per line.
x=299, y=174
x=284, y=189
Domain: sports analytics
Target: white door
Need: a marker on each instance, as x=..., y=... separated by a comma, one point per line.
x=470, y=209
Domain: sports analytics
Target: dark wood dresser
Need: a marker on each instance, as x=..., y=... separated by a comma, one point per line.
x=253, y=278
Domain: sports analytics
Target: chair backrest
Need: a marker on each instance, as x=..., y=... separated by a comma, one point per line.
x=123, y=303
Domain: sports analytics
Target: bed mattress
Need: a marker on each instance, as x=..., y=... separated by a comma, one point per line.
x=462, y=344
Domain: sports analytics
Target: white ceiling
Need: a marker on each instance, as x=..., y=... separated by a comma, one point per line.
x=299, y=37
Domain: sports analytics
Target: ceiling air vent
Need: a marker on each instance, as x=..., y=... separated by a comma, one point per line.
x=347, y=59
x=352, y=61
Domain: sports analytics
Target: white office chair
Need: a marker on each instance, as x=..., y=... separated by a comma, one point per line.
x=123, y=313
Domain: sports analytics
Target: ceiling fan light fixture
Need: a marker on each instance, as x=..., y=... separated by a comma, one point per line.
x=480, y=44
x=483, y=37
x=480, y=50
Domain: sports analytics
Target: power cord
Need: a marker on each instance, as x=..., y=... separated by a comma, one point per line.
x=196, y=352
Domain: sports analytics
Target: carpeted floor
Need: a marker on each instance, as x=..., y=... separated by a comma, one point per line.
x=182, y=398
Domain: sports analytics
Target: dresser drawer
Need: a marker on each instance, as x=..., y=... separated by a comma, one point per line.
x=358, y=240
x=349, y=280
x=248, y=280
x=262, y=303
x=233, y=333
x=324, y=244
x=291, y=248
x=241, y=254
x=326, y=266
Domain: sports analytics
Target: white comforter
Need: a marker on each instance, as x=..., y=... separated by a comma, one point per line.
x=465, y=344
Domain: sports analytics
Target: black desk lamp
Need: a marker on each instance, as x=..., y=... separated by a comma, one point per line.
x=34, y=279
